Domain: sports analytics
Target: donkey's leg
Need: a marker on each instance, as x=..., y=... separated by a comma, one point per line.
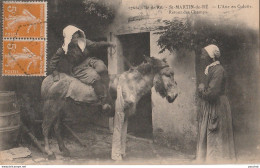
x=129, y=111
x=61, y=144
x=49, y=118
x=124, y=137
x=117, y=136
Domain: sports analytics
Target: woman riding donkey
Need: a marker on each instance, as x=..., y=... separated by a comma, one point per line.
x=89, y=70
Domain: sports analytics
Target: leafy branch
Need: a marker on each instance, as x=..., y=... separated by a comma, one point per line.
x=195, y=33
x=102, y=9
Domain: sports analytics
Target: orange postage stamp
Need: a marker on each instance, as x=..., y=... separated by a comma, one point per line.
x=23, y=19
x=24, y=58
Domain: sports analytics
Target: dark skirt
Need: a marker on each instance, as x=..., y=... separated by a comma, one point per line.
x=86, y=71
x=215, y=139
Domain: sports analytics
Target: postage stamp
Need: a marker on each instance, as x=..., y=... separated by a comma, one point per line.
x=24, y=27
x=24, y=19
x=24, y=58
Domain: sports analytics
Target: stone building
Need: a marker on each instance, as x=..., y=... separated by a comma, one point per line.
x=169, y=124
x=175, y=125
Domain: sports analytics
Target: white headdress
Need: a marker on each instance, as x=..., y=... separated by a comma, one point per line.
x=67, y=34
x=213, y=52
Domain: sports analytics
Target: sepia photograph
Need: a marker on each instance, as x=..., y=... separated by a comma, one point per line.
x=129, y=82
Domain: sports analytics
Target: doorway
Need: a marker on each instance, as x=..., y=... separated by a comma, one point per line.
x=134, y=47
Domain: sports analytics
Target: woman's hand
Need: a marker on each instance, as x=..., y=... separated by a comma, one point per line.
x=112, y=44
x=201, y=87
x=56, y=76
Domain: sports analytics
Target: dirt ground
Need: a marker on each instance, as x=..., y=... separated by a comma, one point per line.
x=98, y=149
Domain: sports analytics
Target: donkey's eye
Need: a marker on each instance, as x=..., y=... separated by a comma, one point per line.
x=167, y=75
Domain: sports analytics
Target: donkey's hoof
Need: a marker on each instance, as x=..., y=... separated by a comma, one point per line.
x=52, y=157
x=65, y=153
x=124, y=155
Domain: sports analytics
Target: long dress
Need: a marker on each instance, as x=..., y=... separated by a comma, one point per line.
x=215, y=139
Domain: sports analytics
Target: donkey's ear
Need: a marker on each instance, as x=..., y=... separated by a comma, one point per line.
x=147, y=59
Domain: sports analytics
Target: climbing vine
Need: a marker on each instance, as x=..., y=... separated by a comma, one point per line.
x=195, y=33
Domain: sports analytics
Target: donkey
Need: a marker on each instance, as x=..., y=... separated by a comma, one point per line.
x=57, y=96
x=130, y=87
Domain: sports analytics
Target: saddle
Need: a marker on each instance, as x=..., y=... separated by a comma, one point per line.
x=68, y=87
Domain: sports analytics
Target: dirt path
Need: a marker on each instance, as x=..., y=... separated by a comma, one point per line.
x=98, y=149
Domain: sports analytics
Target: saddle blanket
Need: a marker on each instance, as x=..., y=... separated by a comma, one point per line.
x=68, y=87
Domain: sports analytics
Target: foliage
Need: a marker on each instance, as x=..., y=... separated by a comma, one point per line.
x=104, y=10
x=175, y=34
x=195, y=33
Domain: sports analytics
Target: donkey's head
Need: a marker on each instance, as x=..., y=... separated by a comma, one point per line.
x=164, y=82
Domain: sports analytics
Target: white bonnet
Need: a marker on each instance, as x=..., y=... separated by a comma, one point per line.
x=213, y=51
x=67, y=34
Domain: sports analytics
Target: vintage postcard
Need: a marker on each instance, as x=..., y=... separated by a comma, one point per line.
x=143, y=82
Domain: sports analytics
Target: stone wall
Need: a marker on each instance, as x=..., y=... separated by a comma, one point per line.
x=175, y=124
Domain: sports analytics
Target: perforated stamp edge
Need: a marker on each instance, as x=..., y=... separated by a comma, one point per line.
x=26, y=38
x=27, y=2
x=24, y=74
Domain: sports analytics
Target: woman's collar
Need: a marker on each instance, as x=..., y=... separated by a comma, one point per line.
x=210, y=65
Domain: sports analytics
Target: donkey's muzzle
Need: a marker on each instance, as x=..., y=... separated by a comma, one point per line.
x=171, y=99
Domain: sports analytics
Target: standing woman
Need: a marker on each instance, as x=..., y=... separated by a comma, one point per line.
x=215, y=141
